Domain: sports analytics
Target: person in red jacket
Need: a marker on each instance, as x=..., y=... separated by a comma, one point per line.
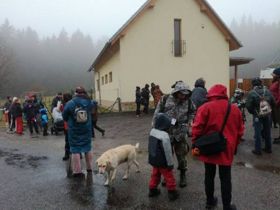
x=209, y=118
x=275, y=90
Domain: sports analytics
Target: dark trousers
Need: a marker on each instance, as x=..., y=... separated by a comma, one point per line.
x=262, y=128
x=225, y=178
x=138, y=105
x=94, y=125
x=45, y=130
x=146, y=108
x=32, y=123
x=12, y=123
x=67, y=146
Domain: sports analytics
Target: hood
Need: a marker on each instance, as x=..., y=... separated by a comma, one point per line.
x=43, y=111
x=163, y=122
x=199, y=83
x=181, y=87
x=217, y=91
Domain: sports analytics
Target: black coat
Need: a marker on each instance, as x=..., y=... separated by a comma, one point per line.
x=16, y=110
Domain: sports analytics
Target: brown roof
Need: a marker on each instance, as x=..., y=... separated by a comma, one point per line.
x=236, y=61
x=204, y=7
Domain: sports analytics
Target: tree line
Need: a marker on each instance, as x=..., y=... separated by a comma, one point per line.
x=59, y=63
x=260, y=40
x=51, y=64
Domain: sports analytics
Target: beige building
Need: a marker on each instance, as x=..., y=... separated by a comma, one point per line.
x=164, y=41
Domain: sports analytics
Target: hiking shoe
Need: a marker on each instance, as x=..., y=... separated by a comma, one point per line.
x=89, y=171
x=183, y=179
x=269, y=151
x=66, y=157
x=255, y=152
x=231, y=207
x=212, y=204
x=154, y=192
x=276, y=140
x=173, y=195
x=78, y=175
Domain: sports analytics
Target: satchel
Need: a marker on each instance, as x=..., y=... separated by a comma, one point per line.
x=213, y=143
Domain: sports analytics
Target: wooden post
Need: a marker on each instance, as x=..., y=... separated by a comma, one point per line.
x=236, y=76
x=119, y=104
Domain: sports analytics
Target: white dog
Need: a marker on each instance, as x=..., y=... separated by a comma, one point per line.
x=109, y=161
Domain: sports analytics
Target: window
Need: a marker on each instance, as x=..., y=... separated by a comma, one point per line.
x=102, y=80
x=106, y=78
x=177, y=38
x=110, y=77
x=98, y=84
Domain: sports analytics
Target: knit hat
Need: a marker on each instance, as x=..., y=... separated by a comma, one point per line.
x=276, y=72
x=256, y=82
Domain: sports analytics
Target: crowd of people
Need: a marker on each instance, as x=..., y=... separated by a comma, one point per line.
x=36, y=114
x=209, y=114
x=206, y=116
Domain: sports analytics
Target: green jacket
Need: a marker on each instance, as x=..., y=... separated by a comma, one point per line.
x=254, y=97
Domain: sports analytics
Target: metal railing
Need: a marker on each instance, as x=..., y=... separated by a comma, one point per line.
x=178, y=47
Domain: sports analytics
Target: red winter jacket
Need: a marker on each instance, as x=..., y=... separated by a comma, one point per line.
x=275, y=90
x=210, y=117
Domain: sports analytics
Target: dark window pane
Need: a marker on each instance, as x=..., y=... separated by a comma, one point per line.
x=177, y=38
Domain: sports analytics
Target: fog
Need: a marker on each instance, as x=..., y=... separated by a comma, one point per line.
x=49, y=45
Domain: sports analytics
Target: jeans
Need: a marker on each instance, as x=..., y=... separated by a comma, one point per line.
x=225, y=178
x=262, y=125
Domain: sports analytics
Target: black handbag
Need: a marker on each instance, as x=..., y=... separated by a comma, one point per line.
x=215, y=142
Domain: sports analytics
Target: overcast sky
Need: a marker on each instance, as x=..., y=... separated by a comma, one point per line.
x=104, y=17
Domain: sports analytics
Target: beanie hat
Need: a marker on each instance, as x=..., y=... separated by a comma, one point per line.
x=256, y=82
x=276, y=72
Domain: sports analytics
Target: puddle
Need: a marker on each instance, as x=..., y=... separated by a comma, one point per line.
x=21, y=160
x=88, y=191
x=267, y=168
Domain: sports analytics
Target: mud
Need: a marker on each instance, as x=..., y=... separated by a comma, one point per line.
x=21, y=160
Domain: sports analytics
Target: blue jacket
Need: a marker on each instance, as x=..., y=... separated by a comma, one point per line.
x=79, y=134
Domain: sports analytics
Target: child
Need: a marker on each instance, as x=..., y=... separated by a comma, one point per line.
x=138, y=101
x=17, y=114
x=160, y=157
x=30, y=113
x=44, y=120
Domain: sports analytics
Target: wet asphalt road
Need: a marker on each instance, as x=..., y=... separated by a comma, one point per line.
x=33, y=175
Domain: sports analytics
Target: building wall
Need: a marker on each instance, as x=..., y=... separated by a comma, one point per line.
x=111, y=91
x=146, y=50
x=146, y=56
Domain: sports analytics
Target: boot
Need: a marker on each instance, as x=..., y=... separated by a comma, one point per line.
x=212, y=204
x=183, y=179
x=173, y=195
x=66, y=156
x=154, y=192
x=230, y=207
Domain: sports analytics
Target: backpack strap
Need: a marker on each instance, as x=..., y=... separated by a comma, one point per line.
x=163, y=102
x=226, y=117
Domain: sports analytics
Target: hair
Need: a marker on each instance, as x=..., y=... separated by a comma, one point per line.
x=67, y=97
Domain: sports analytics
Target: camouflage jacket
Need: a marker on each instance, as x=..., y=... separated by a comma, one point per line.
x=182, y=112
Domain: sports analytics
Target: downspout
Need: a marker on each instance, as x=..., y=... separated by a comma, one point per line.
x=99, y=88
